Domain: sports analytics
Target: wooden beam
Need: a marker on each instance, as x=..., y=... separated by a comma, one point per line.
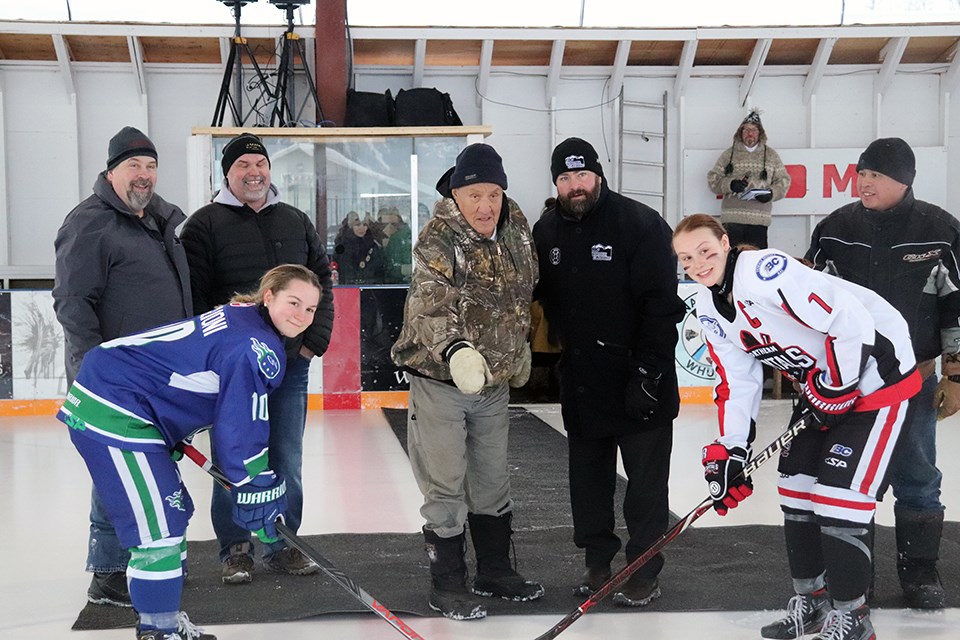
x=330, y=63
x=553, y=74
x=819, y=65
x=619, y=67
x=760, y=51
x=483, y=74
x=684, y=69
x=891, y=54
x=419, y=58
x=949, y=82
x=66, y=68
x=136, y=57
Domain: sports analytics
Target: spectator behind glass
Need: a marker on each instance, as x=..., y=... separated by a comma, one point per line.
x=360, y=259
x=396, y=241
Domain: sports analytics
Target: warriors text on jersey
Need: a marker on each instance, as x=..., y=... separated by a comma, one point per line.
x=149, y=391
x=795, y=319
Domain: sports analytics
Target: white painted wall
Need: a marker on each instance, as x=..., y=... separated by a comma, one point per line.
x=55, y=144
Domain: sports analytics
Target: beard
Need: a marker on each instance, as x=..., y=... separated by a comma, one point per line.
x=580, y=207
x=138, y=200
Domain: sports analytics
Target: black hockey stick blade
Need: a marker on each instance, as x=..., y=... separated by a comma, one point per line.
x=621, y=576
x=301, y=545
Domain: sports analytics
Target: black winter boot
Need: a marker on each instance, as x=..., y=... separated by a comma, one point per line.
x=495, y=575
x=918, y=549
x=448, y=575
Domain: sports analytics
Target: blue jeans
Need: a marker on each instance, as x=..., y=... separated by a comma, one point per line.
x=914, y=476
x=105, y=554
x=288, y=415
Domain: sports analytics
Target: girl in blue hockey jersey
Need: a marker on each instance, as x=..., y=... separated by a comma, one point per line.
x=135, y=398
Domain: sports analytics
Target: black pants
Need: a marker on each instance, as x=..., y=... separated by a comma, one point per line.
x=752, y=234
x=593, y=476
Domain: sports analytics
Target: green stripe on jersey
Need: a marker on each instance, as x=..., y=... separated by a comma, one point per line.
x=143, y=492
x=85, y=410
x=257, y=464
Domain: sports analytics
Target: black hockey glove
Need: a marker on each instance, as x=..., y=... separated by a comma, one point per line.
x=259, y=503
x=721, y=466
x=643, y=388
x=738, y=186
x=828, y=404
x=764, y=197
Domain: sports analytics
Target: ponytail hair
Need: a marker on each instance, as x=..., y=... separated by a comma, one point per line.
x=278, y=279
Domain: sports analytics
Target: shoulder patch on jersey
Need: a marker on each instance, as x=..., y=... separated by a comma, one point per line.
x=267, y=360
x=771, y=266
x=712, y=325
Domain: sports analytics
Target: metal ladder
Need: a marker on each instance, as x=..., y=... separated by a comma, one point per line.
x=643, y=151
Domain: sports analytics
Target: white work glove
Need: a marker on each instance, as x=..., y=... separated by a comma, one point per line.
x=469, y=370
x=521, y=368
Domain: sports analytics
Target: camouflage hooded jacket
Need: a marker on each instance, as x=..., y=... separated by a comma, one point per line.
x=466, y=286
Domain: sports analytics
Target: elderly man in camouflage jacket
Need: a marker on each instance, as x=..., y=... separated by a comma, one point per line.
x=464, y=341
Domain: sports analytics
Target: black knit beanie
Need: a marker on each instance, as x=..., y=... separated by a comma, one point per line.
x=478, y=163
x=892, y=157
x=241, y=145
x=574, y=154
x=129, y=142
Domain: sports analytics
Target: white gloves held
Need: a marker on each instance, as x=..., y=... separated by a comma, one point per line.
x=469, y=370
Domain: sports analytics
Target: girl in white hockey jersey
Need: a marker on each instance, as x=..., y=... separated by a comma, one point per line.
x=850, y=353
x=135, y=398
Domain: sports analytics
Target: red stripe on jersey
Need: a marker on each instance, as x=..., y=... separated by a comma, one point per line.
x=722, y=390
x=844, y=504
x=889, y=396
x=876, y=456
x=788, y=310
x=793, y=493
x=832, y=361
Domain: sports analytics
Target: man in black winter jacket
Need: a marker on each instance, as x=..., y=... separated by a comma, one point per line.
x=230, y=244
x=608, y=286
x=120, y=269
x=906, y=250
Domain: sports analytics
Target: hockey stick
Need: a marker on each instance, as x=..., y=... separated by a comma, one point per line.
x=621, y=576
x=301, y=545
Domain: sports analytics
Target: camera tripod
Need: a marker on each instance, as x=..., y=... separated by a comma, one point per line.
x=234, y=73
x=286, y=112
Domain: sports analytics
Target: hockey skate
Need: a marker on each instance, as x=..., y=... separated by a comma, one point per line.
x=186, y=630
x=848, y=625
x=805, y=614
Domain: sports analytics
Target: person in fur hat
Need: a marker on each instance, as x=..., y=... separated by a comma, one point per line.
x=750, y=176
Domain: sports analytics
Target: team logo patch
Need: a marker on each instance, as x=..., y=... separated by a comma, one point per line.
x=771, y=266
x=712, y=325
x=555, y=256
x=176, y=500
x=841, y=450
x=691, y=353
x=601, y=253
x=922, y=257
x=267, y=360
x=574, y=162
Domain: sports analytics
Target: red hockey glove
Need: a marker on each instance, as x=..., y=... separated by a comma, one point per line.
x=722, y=469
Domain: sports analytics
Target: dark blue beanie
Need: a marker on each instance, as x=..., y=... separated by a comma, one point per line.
x=476, y=164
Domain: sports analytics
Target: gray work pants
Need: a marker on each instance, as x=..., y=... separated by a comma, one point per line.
x=458, y=450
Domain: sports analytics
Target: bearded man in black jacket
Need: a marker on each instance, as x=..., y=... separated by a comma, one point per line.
x=608, y=286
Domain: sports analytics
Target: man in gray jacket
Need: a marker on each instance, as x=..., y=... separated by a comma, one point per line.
x=120, y=269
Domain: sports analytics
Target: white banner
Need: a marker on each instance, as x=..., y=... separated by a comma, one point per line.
x=821, y=179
